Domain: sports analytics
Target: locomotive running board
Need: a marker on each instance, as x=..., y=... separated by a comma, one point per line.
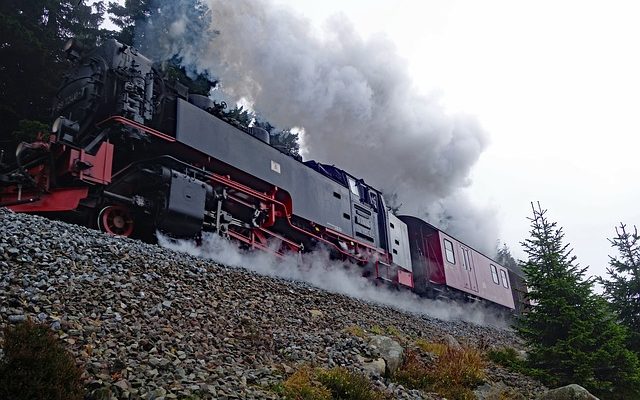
x=277, y=210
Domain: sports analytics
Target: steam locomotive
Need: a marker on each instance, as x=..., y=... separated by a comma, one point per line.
x=132, y=151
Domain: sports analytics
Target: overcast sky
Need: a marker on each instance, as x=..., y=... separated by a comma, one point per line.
x=556, y=84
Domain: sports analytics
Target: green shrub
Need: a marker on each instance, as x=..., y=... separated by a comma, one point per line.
x=508, y=358
x=29, y=130
x=36, y=366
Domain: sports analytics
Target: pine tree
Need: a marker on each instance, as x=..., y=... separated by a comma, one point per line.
x=286, y=141
x=623, y=288
x=128, y=16
x=31, y=58
x=572, y=335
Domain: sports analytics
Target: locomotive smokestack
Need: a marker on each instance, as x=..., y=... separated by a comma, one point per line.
x=259, y=133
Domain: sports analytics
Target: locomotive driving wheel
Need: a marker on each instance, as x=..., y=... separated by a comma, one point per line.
x=116, y=220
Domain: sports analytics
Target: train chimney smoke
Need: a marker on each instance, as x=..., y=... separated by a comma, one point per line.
x=352, y=95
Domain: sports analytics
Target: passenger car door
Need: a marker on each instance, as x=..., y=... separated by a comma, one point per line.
x=470, y=270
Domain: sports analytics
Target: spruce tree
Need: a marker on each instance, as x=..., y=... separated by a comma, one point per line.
x=622, y=289
x=505, y=258
x=571, y=334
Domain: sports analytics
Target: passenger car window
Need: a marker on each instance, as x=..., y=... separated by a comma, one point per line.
x=505, y=282
x=494, y=274
x=448, y=250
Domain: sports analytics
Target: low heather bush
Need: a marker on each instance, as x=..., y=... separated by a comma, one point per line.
x=36, y=366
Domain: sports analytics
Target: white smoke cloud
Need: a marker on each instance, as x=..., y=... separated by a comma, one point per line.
x=353, y=97
x=317, y=270
x=458, y=216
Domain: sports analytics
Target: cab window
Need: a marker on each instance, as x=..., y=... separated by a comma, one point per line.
x=353, y=186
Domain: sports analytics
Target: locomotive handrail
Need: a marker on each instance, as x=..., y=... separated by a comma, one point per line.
x=126, y=121
x=160, y=160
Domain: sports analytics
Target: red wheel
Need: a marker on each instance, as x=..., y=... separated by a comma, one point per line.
x=116, y=220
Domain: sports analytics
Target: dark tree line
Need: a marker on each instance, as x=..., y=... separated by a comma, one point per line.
x=32, y=35
x=129, y=15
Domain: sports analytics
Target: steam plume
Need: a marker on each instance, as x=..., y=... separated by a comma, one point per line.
x=353, y=97
x=316, y=270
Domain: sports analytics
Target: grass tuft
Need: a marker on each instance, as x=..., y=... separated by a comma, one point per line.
x=376, y=330
x=302, y=385
x=413, y=373
x=322, y=384
x=393, y=331
x=460, y=367
x=355, y=330
x=347, y=385
x=454, y=374
x=431, y=347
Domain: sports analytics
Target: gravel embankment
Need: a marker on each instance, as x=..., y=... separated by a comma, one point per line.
x=150, y=323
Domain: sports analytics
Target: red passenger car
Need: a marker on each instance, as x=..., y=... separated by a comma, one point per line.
x=444, y=266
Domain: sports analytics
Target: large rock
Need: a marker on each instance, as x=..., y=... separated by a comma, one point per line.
x=374, y=367
x=569, y=392
x=496, y=390
x=389, y=350
x=486, y=390
x=452, y=343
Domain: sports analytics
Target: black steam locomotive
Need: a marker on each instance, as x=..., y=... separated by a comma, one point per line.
x=132, y=152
